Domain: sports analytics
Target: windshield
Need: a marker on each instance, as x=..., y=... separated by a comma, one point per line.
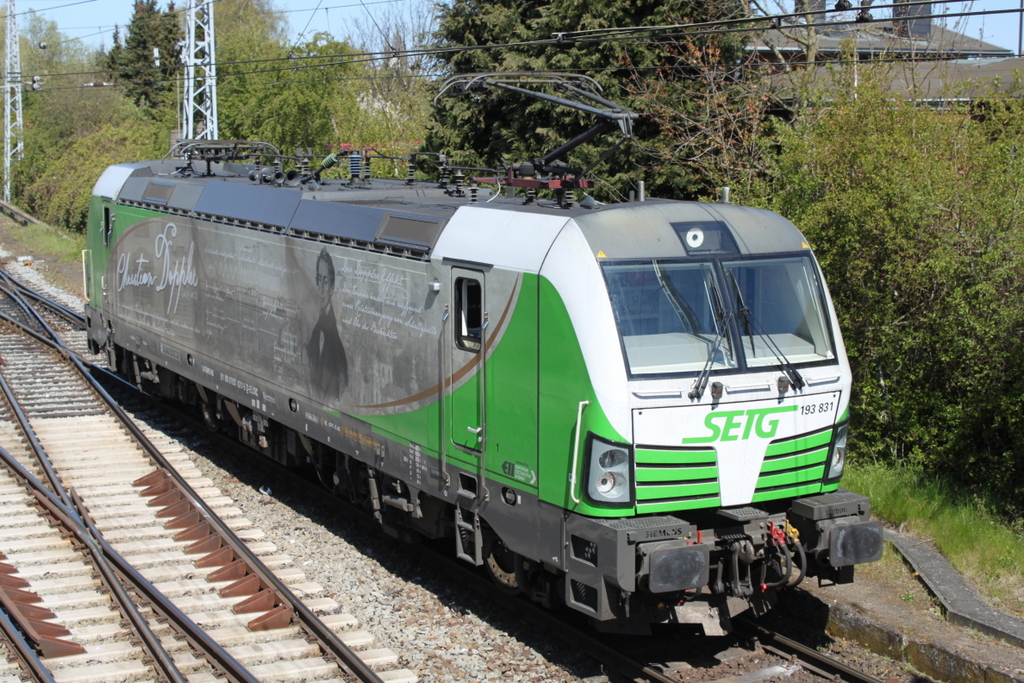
x=778, y=304
x=669, y=317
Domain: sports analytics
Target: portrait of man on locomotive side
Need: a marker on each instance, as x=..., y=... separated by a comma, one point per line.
x=328, y=365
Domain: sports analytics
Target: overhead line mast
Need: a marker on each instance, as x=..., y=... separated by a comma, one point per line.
x=12, y=99
x=199, y=115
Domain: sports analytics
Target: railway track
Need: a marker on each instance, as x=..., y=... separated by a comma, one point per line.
x=194, y=559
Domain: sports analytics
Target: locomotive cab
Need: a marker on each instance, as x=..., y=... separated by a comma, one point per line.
x=707, y=462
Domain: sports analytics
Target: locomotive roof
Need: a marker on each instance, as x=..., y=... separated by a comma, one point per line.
x=408, y=219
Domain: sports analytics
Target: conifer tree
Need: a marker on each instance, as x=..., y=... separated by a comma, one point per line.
x=499, y=126
x=134, y=63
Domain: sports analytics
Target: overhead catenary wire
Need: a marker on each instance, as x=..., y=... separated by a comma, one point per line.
x=649, y=37
x=113, y=27
x=358, y=57
x=751, y=66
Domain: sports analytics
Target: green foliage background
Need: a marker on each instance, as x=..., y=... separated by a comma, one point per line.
x=520, y=128
x=98, y=109
x=915, y=214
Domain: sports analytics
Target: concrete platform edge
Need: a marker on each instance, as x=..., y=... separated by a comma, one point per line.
x=963, y=607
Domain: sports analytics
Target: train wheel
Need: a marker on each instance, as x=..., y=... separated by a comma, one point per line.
x=209, y=414
x=501, y=565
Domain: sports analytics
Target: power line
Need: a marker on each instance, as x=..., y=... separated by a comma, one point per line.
x=748, y=66
x=70, y=4
x=108, y=29
x=696, y=29
x=776, y=21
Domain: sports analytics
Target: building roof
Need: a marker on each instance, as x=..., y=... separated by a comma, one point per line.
x=879, y=37
x=926, y=81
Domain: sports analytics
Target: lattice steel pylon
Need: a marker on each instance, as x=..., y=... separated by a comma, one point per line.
x=12, y=99
x=199, y=106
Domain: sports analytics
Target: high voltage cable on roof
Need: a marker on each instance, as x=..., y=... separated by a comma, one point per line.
x=637, y=34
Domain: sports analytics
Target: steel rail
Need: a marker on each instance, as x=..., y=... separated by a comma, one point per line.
x=30, y=660
x=817, y=662
x=20, y=300
x=30, y=435
x=71, y=512
x=18, y=215
x=329, y=641
x=216, y=655
x=17, y=300
x=88, y=537
x=56, y=508
x=76, y=319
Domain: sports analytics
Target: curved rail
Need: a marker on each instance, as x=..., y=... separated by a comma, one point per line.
x=327, y=639
x=70, y=520
x=808, y=657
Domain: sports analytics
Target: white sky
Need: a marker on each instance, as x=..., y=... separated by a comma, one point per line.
x=93, y=20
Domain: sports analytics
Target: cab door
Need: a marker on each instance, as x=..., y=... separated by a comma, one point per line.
x=467, y=344
x=97, y=255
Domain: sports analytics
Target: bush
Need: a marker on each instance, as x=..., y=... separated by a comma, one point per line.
x=915, y=215
x=59, y=190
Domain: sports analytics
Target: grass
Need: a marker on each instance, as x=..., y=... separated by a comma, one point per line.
x=42, y=241
x=989, y=553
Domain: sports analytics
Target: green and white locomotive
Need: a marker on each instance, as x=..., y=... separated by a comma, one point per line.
x=637, y=410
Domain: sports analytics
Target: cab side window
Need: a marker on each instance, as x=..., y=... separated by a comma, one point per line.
x=108, y=226
x=469, y=310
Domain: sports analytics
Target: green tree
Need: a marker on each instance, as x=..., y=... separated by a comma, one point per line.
x=54, y=178
x=59, y=189
x=395, y=92
x=518, y=128
x=288, y=95
x=133, y=63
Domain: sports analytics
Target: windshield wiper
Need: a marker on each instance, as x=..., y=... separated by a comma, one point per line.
x=687, y=316
x=795, y=378
x=701, y=383
x=724, y=316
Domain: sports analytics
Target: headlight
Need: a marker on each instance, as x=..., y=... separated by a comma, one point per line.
x=837, y=454
x=609, y=473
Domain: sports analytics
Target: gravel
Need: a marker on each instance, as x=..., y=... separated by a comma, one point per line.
x=440, y=631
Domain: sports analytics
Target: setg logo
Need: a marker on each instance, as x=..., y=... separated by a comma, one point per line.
x=737, y=425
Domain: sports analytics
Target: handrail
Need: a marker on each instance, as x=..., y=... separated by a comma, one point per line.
x=576, y=452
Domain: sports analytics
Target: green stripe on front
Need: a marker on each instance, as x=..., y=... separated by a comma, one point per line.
x=803, y=460
x=676, y=491
x=673, y=505
x=800, y=444
x=646, y=456
x=791, y=478
x=675, y=474
x=804, y=490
